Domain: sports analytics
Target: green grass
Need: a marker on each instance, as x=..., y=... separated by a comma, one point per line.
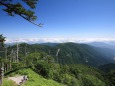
x=7, y=82
x=34, y=79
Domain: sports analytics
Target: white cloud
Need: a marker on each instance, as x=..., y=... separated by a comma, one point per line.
x=58, y=40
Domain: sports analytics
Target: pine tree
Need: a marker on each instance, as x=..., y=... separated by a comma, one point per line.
x=16, y=7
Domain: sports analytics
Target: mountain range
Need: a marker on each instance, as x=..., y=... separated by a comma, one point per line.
x=69, y=63
x=109, y=45
x=71, y=53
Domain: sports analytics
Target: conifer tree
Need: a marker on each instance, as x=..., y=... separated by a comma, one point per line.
x=17, y=7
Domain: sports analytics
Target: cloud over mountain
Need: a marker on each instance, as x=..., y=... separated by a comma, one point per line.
x=58, y=40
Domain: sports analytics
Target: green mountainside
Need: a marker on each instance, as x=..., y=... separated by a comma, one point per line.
x=65, y=64
x=109, y=72
x=70, y=53
x=107, y=67
x=80, y=53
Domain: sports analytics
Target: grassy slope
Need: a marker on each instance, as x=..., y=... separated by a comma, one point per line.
x=34, y=79
x=86, y=76
x=7, y=82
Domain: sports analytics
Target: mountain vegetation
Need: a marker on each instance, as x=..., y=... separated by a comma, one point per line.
x=66, y=64
x=69, y=53
x=107, y=67
x=109, y=71
x=34, y=79
x=107, y=49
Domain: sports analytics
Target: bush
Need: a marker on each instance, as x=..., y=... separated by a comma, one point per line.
x=16, y=65
x=43, y=69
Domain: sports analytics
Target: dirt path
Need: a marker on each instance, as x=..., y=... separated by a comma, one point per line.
x=17, y=79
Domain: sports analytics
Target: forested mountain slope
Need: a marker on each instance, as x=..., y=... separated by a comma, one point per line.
x=66, y=63
x=67, y=53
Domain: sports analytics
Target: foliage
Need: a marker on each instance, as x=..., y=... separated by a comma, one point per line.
x=42, y=68
x=107, y=67
x=34, y=79
x=13, y=7
x=2, y=40
x=90, y=80
x=109, y=73
x=42, y=60
x=32, y=58
x=16, y=65
x=70, y=53
x=7, y=82
x=72, y=75
x=17, y=8
x=110, y=77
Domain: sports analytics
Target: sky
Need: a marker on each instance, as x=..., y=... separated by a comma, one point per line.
x=64, y=20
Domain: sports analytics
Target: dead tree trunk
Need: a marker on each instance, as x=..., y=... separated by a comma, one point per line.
x=17, y=57
x=1, y=73
x=57, y=54
x=2, y=40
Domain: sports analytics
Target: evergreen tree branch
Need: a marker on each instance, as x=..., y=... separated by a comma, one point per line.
x=12, y=9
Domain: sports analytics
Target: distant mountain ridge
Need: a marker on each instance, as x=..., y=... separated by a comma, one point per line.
x=102, y=45
x=50, y=44
x=70, y=53
x=107, y=67
x=81, y=53
x=107, y=48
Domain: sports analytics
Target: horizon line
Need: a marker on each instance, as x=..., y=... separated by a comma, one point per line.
x=58, y=40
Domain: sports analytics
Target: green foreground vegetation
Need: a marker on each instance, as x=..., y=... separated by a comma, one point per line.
x=79, y=75
x=44, y=68
x=7, y=82
x=34, y=79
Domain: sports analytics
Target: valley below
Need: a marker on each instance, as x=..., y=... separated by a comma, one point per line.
x=61, y=64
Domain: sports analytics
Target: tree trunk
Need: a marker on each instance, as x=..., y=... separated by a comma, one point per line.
x=17, y=58
x=1, y=73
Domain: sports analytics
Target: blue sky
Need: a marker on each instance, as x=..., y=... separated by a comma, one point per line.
x=78, y=19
